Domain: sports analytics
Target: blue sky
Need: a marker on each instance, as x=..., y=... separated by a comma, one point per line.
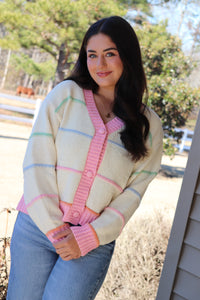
x=172, y=13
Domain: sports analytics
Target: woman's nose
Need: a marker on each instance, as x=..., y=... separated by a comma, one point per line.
x=101, y=61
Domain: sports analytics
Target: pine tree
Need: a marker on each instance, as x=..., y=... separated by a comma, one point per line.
x=55, y=27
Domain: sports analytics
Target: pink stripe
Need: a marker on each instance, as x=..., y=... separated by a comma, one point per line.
x=110, y=181
x=120, y=214
x=41, y=196
x=69, y=169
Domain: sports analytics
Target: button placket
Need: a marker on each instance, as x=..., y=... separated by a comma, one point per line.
x=94, y=154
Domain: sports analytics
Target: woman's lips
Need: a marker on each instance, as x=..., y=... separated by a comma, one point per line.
x=104, y=74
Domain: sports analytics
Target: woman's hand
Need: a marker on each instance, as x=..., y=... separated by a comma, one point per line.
x=67, y=247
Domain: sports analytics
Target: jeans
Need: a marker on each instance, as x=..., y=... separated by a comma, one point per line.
x=38, y=273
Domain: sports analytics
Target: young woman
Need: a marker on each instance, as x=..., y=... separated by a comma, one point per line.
x=93, y=151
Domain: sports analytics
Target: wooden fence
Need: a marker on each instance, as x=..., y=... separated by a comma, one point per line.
x=20, y=109
x=186, y=139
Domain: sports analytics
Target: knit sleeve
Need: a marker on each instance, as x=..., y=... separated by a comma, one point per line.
x=108, y=226
x=40, y=184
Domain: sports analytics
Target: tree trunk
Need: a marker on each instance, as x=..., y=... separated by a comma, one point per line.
x=62, y=64
x=26, y=79
x=50, y=85
x=6, y=70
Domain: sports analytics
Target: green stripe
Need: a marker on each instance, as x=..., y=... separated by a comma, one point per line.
x=41, y=133
x=145, y=172
x=150, y=138
x=66, y=99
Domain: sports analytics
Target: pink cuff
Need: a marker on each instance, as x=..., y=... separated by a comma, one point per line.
x=22, y=206
x=52, y=232
x=86, y=238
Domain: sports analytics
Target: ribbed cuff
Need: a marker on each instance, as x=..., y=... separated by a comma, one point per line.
x=86, y=238
x=22, y=206
x=52, y=232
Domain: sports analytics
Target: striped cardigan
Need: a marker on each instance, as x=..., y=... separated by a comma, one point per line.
x=76, y=169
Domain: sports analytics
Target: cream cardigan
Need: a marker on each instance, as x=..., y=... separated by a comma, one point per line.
x=76, y=169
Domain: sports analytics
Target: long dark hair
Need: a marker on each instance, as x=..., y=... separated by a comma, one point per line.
x=130, y=88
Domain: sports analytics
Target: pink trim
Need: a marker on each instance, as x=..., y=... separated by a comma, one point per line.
x=22, y=206
x=110, y=181
x=87, y=216
x=113, y=125
x=119, y=213
x=69, y=169
x=92, y=109
x=50, y=234
x=86, y=238
x=41, y=196
x=94, y=158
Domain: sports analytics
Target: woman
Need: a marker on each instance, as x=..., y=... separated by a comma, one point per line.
x=93, y=151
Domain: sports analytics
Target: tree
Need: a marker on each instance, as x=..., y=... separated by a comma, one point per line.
x=55, y=27
x=167, y=69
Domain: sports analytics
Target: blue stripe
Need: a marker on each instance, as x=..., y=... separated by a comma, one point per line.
x=38, y=165
x=135, y=192
x=120, y=145
x=87, y=135
x=75, y=131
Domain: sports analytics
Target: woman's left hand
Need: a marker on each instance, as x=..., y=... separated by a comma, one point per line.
x=67, y=247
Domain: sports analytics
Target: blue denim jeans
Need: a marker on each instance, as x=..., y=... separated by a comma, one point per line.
x=38, y=273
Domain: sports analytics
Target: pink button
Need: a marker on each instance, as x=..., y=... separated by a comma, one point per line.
x=89, y=174
x=102, y=130
x=76, y=214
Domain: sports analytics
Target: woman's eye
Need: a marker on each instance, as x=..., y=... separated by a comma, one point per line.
x=91, y=55
x=109, y=54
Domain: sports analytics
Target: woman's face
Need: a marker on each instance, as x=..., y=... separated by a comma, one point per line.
x=103, y=61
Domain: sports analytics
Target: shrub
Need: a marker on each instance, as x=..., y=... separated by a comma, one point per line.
x=167, y=69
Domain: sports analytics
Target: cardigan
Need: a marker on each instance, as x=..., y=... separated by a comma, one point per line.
x=77, y=171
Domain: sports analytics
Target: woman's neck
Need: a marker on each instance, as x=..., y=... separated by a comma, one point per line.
x=107, y=95
x=104, y=103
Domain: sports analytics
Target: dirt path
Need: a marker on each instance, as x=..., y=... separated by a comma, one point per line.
x=163, y=191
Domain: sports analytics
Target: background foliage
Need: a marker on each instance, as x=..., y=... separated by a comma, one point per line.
x=45, y=38
x=167, y=69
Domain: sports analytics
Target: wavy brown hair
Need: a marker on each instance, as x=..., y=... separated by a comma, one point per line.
x=130, y=88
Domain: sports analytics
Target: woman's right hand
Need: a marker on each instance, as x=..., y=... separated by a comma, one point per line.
x=67, y=246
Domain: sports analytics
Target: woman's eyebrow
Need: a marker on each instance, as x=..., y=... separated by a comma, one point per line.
x=108, y=49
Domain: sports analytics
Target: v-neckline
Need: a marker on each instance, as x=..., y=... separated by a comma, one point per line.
x=111, y=126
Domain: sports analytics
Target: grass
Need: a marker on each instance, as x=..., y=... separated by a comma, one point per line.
x=4, y=247
x=138, y=259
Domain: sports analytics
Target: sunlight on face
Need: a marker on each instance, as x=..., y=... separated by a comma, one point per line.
x=103, y=61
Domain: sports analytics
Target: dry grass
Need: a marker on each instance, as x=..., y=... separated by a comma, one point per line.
x=138, y=259
x=4, y=248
